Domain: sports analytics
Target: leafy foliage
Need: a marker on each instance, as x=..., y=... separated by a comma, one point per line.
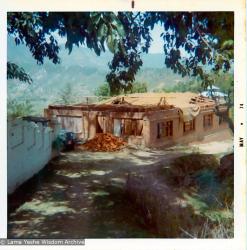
x=66, y=95
x=186, y=167
x=207, y=187
x=203, y=36
x=226, y=83
x=69, y=95
x=127, y=61
x=223, y=80
x=36, y=31
x=137, y=87
x=192, y=40
x=103, y=90
x=191, y=86
x=19, y=109
x=15, y=72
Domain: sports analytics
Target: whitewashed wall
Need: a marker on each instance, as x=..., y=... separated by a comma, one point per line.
x=29, y=150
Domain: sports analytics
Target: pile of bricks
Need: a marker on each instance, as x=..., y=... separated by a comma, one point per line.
x=104, y=142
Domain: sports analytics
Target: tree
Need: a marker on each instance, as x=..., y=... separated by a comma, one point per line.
x=66, y=95
x=19, y=109
x=194, y=42
x=226, y=83
x=138, y=87
x=37, y=31
x=191, y=85
x=104, y=89
x=16, y=72
x=69, y=95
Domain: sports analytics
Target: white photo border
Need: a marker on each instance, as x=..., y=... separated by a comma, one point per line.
x=239, y=9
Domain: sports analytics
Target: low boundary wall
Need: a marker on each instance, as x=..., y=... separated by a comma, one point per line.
x=29, y=149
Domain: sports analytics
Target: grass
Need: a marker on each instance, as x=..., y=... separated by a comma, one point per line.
x=190, y=199
x=185, y=168
x=218, y=221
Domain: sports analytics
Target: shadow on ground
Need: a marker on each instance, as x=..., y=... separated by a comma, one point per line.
x=83, y=195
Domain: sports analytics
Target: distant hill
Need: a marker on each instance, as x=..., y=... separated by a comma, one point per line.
x=82, y=69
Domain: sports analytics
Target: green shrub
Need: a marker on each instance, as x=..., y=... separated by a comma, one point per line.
x=185, y=168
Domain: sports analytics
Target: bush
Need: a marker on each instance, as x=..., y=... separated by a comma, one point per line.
x=185, y=168
x=217, y=223
x=192, y=198
x=174, y=214
x=225, y=175
x=160, y=209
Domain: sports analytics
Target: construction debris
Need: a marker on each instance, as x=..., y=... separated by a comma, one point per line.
x=200, y=99
x=104, y=142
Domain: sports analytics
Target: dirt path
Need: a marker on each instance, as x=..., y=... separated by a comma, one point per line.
x=82, y=195
x=218, y=143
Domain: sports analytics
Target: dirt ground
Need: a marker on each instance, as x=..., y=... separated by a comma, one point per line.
x=218, y=143
x=82, y=194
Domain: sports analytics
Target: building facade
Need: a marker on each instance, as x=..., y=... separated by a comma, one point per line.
x=148, y=119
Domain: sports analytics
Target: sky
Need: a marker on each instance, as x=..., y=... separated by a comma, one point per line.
x=157, y=43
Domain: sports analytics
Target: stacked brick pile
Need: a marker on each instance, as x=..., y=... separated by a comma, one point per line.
x=104, y=142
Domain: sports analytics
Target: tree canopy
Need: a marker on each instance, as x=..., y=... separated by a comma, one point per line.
x=16, y=72
x=137, y=87
x=195, y=43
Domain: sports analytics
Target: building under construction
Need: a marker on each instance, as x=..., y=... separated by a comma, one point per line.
x=147, y=119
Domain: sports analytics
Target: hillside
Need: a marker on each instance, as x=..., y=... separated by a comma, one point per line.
x=82, y=70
